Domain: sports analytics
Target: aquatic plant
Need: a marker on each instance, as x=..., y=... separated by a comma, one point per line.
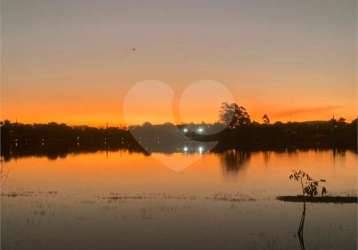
x=309, y=186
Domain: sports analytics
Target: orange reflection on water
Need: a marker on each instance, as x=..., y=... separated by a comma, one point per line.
x=255, y=174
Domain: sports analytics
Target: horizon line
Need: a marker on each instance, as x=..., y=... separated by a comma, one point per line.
x=124, y=125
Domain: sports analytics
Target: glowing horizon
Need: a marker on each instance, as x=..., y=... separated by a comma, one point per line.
x=76, y=66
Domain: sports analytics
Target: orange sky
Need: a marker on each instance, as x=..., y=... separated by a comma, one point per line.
x=74, y=62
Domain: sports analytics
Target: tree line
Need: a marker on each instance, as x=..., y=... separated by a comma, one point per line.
x=241, y=132
x=235, y=130
x=57, y=140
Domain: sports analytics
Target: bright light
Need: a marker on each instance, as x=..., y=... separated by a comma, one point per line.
x=185, y=130
x=200, y=130
x=200, y=149
x=185, y=149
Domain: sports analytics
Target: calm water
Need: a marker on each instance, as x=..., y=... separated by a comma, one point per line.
x=119, y=200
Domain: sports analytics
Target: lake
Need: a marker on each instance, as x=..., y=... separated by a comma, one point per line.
x=123, y=200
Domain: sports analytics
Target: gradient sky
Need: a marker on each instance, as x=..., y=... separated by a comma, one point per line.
x=72, y=60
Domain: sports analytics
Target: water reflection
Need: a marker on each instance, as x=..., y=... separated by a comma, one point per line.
x=67, y=193
x=4, y=172
x=267, y=156
x=338, y=152
x=301, y=227
x=234, y=160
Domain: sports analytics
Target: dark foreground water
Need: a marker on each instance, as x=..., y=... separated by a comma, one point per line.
x=174, y=201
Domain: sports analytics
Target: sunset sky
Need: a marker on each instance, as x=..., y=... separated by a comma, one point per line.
x=74, y=61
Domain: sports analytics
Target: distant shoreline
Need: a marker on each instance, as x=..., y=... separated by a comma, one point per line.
x=56, y=140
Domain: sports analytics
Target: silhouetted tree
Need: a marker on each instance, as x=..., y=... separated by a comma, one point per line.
x=341, y=120
x=147, y=124
x=233, y=115
x=265, y=119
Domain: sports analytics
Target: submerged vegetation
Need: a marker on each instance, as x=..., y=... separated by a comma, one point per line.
x=309, y=186
x=320, y=199
x=310, y=191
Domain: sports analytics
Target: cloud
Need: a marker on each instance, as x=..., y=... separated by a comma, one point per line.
x=306, y=110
